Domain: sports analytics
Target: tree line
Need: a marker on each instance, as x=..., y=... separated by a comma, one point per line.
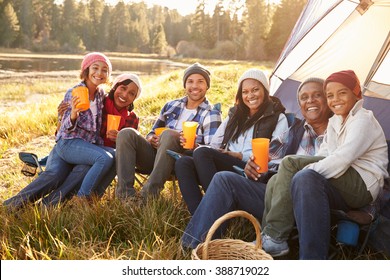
x=236, y=29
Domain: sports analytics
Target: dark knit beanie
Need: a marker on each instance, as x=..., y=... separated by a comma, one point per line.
x=197, y=68
x=348, y=78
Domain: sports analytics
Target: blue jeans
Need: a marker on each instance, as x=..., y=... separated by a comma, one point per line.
x=188, y=182
x=200, y=170
x=209, y=161
x=313, y=197
x=55, y=173
x=278, y=218
x=78, y=151
x=73, y=182
x=69, y=187
x=227, y=191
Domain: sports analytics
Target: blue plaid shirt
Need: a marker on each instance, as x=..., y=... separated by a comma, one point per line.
x=84, y=127
x=308, y=146
x=208, y=119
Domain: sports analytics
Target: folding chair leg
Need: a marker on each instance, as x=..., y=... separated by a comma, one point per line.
x=138, y=181
x=365, y=239
x=38, y=164
x=140, y=178
x=174, y=186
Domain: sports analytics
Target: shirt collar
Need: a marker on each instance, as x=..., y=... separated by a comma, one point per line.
x=204, y=105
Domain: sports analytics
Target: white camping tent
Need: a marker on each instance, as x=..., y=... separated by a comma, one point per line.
x=334, y=35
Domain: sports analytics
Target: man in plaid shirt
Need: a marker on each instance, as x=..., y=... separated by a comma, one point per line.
x=148, y=154
x=229, y=191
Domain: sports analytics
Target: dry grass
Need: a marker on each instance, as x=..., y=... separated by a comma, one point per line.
x=105, y=229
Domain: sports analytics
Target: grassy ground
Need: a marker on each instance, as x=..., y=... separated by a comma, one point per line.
x=106, y=229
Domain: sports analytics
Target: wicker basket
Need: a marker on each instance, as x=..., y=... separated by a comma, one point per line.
x=230, y=249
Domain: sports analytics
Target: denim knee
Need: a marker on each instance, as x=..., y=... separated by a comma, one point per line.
x=106, y=158
x=201, y=152
x=182, y=164
x=308, y=185
x=304, y=180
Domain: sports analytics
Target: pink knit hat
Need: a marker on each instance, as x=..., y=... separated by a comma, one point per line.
x=348, y=78
x=92, y=57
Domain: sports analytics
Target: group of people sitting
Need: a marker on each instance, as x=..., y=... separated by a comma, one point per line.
x=335, y=157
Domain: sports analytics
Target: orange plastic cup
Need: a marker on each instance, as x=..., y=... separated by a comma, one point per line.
x=113, y=122
x=83, y=95
x=159, y=130
x=189, y=133
x=260, y=149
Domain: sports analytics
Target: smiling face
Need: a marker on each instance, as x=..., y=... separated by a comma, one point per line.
x=124, y=95
x=340, y=98
x=253, y=95
x=98, y=73
x=312, y=100
x=196, y=88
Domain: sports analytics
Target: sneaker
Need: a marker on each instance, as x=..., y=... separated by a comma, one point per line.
x=273, y=247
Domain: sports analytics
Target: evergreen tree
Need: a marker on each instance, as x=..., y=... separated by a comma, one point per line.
x=55, y=24
x=284, y=19
x=95, y=11
x=83, y=28
x=237, y=36
x=216, y=23
x=243, y=29
x=159, y=42
x=24, y=10
x=256, y=28
x=10, y=26
x=120, y=31
x=201, y=26
x=176, y=27
x=104, y=29
x=42, y=18
x=140, y=27
x=69, y=38
x=156, y=16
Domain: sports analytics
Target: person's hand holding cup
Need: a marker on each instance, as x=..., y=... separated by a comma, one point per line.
x=260, y=150
x=113, y=122
x=83, y=97
x=189, y=134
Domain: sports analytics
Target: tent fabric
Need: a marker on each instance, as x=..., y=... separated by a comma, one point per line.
x=333, y=35
x=380, y=108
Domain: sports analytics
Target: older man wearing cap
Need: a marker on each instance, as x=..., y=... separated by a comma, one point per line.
x=229, y=191
x=346, y=173
x=149, y=154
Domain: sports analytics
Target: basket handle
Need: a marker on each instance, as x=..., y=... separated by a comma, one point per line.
x=227, y=216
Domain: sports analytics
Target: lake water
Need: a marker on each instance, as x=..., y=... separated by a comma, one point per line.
x=24, y=63
x=22, y=66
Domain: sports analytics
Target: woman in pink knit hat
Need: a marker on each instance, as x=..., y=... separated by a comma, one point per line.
x=78, y=141
x=62, y=179
x=120, y=102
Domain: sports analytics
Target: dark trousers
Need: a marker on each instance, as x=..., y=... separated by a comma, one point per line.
x=200, y=170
